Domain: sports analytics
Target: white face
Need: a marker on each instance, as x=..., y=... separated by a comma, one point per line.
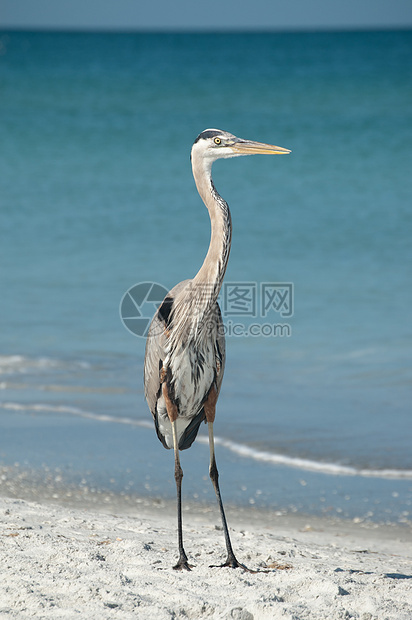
x=214, y=144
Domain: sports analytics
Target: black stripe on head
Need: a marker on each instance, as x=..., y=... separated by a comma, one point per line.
x=165, y=309
x=208, y=133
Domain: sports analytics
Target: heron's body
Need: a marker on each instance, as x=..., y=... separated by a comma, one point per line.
x=185, y=349
x=188, y=367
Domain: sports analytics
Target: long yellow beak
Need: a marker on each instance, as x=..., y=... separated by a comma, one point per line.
x=248, y=147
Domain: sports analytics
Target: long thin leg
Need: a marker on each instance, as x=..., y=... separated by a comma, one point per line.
x=182, y=563
x=214, y=475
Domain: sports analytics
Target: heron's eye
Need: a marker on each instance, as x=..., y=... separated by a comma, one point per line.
x=217, y=141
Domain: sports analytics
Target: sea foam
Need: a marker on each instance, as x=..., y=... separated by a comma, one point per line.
x=243, y=450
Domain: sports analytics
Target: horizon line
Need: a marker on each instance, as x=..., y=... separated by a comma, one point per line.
x=203, y=30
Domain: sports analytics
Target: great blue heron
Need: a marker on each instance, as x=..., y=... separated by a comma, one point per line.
x=185, y=348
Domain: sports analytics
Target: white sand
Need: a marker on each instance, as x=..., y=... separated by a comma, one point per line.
x=58, y=562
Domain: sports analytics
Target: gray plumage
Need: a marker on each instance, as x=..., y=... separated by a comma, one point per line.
x=191, y=354
x=185, y=348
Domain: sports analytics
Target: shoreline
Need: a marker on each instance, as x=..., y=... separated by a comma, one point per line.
x=64, y=562
x=34, y=486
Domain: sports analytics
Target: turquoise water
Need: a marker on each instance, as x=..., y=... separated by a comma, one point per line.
x=96, y=195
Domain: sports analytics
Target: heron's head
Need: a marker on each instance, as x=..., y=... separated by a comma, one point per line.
x=214, y=144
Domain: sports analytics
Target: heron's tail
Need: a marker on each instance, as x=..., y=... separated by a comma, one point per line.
x=191, y=431
x=186, y=438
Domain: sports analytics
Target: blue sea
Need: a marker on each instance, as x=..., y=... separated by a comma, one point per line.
x=97, y=196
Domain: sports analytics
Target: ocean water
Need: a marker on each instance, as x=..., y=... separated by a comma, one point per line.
x=96, y=196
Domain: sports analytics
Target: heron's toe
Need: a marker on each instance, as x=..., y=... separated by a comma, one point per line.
x=183, y=565
x=232, y=562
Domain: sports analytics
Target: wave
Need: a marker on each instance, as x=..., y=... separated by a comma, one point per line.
x=243, y=450
x=51, y=387
x=20, y=364
x=99, y=417
x=335, y=469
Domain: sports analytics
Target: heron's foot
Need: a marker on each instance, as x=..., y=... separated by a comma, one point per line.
x=183, y=564
x=232, y=562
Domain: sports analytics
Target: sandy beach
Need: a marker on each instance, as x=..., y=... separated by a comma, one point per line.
x=64, y=562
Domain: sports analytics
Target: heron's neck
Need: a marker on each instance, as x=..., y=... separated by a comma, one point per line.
x=210, y=275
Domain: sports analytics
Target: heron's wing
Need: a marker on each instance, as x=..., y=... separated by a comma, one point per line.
x=156, y=344
x=154, y=356
x=191, y=431
x=220, y=348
